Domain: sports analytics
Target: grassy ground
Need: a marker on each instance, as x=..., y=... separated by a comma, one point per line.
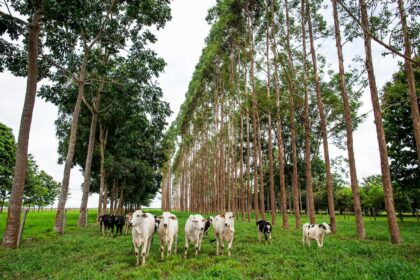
x=85, y=254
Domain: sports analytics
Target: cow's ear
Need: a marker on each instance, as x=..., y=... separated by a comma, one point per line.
x=173, y=218
x=144, y=215
x=160, y=217
x=222, y=216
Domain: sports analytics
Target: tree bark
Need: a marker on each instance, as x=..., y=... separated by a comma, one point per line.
x=11, y=233
x=308, y=172
x=270, y=140
x=349, y=129
x=329, y=178
x=295, y=186
x=280, y=152
x=88, y=164
x=254, y=119
x=383, y=150
x=415, y=115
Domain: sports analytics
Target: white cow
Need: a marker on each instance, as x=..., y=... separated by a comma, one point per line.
x=194, y=230
x=224, y=229
x=315, y=232
x=142, y=232
x=168, y=232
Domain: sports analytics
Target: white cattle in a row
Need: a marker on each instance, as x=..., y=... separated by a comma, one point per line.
x=315, y=232
x=224, y=230
x=142, y=233
x=194, y=231
x=168, y=232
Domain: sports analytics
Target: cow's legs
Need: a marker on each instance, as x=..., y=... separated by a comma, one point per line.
x=136, y=252
x=197, y=243
x=271, y=240
x=162, y=248
x=230, y=242
x=144, y=251
x=169, y=248
x=149, y=244
x=259, y=236
x=217, y=244
x=176, y=243
x=222, y=244
x=186, y=248
x=321, y=241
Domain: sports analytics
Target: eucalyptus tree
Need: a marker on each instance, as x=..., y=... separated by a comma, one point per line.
x=308, y=170
x=415, y=115
x=320, y=104
x=349, y=127
x=383, y=151
x=280, y=146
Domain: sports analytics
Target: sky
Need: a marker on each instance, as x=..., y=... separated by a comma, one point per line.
x=180, y=44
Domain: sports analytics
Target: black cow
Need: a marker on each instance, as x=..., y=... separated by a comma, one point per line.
x=106, y=222
x=119, y=222
x=265, y=228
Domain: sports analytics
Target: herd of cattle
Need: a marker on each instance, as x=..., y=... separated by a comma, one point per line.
x=144, y=225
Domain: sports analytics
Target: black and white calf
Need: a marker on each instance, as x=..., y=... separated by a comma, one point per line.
x=264, y=227
x=315, y=232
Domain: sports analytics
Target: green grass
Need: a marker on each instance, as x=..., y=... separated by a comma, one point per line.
x=85, y=254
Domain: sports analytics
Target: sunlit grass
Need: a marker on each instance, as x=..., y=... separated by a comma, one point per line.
x=85, y=254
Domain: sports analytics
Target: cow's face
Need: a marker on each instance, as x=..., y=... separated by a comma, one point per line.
x=137, y=216
x=267, y=227
x=165, y=219
x=199, y=223
x=230, y=221
x=326, y=227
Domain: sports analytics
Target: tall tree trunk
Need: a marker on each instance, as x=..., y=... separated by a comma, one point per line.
x=254, y=119
x=291, y=78
x=105, y=200
x=88, y=164
x=102, y=142
x=241, y=168
x=329, y=178
x=59, y=225
x=280, y=154
x=15, y=203
x=383, y=150
x=248, y=166
x=270, y=140
x=349, y=129
x=308, y=172
x=410, y=80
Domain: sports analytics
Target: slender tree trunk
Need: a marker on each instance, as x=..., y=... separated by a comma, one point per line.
x=15, y=203
x=410, y=80
x=254, y=121
x=241, y=168
x=308, y=173
x=88, y=165
x=59, y=225
x=270, y=140
x=329, y=178
x=102, y=142
x=280, y=154
x=349, y=129
x=248, y=166
x=383, y=150
x=292, y=122
x=105, y=201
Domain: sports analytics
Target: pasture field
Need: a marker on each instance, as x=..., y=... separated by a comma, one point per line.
x=85, y=254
